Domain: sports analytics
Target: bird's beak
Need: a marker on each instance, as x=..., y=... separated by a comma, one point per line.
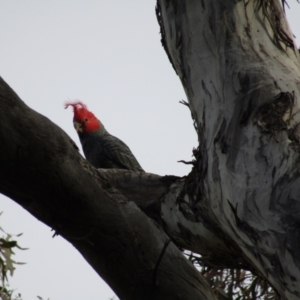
x=77, y=126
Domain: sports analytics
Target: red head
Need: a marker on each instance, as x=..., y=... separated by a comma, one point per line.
x=84, y=120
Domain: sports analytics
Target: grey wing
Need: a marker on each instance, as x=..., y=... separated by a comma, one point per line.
x=119, y=153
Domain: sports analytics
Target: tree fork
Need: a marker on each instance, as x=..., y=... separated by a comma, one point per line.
x=42, y=170
x=238, y=206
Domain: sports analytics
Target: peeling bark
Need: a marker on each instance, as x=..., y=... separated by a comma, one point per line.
x=238, y=208
x=240, y=69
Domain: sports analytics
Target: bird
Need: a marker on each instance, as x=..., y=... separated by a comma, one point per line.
x=100, y=148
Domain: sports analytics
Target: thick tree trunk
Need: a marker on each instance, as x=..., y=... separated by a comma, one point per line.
x=241, y=72
x=239, y=207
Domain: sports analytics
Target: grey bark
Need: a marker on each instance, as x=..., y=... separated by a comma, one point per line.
x=239, y=207
x=240, y=69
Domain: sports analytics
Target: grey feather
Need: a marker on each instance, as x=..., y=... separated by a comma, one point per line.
x=106, y=151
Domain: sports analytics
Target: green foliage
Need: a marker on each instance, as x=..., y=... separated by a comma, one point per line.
x=7, y=264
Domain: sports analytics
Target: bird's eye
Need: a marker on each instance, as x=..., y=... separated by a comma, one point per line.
x=86, y=119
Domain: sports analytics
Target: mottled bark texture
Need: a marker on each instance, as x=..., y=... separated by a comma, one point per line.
x=240, y=69
x=240, y=205
x=42, y=170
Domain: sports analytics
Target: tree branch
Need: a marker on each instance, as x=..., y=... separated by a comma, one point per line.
x=42, y=170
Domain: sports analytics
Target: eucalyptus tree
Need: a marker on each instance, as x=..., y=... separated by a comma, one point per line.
x=239, y=206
